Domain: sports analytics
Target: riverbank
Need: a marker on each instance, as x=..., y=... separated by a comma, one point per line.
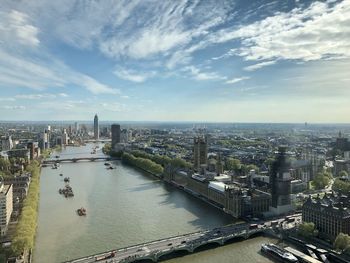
x=24, y=237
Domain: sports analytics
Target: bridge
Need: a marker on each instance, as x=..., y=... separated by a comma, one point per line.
x=156, y=250
x=74, y=160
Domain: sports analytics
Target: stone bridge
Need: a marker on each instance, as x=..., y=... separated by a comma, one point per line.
x=74, y=160
x=189, y=243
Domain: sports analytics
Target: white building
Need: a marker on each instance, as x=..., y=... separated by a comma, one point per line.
x=6, y=143
x=6, y=206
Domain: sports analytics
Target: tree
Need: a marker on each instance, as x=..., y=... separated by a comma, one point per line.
x=249, y=167
x=343, y=174
x=321, y=180
x=342, y=242
x=233, y=164
x=341, y=186
x=307, y=229
x=4, y=164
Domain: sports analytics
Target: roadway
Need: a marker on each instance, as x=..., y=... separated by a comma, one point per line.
x=188, y=241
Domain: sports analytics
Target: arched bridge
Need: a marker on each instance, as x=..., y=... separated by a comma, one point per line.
x=74, y=160
x=189, y=242
x=157, y=249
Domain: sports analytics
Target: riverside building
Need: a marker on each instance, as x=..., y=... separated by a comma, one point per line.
x=232, y=198
x=6, y=206
x=330, y=214
x=115, y=128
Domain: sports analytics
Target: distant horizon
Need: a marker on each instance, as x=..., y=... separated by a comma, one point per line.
x=170, y=122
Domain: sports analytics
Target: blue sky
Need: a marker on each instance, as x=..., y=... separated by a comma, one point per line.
x=223, y=61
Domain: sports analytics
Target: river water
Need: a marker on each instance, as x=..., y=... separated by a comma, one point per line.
x=124, y=207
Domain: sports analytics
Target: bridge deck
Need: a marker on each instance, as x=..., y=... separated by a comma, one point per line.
x=189, y=242
x=91, y=159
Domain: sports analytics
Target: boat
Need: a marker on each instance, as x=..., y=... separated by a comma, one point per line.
x=67, y=191
x=278, y=253
x=81, y=211
x=105, y=256
x=61, y=174
x=107, y=164
x=66, y=179
x=110, y=168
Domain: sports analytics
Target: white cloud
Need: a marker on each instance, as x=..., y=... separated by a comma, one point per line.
x=114, y=107
x=35, y=96
x=93, y=85
x=259, y=65
x=133, y=75
x=7, y=99
x=235, y=80
x=16, y=26
x=64, y=95
x=197, y=74
x=125, y=97
x=13, y=107
x=318, y=32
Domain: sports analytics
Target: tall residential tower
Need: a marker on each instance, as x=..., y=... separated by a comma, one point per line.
x=96, y=128
x=115, y=135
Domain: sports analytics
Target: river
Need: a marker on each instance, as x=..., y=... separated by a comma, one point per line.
x=124, y=206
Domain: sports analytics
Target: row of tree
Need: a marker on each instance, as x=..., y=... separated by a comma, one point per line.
x=237, y=167
x=340, y=185
x=26, y=227
x=321, y=180
x=163, y=160
x=142, y=163
x=341, y=243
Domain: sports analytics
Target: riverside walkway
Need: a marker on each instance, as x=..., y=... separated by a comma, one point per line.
x=155, y=250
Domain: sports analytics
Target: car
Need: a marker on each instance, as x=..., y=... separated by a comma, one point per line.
x=183, y=242
x=170, y=244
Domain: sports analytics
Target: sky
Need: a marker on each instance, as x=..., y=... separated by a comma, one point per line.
x=175, y=60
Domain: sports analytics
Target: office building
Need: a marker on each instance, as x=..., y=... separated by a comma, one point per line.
x=124, y=136
x=6, y=206
x=342, y=143
x=96, y=128
x=76, y=126
x=6, y=143
x=200, y=153
x=330, y=214
x=34, y=150
x=65, y=137
x=115, y=135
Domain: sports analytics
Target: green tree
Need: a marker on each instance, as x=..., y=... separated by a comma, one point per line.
x=23, y=238
x=233, y=164
x=343, y=174
x=249, y=167
x=341, y=186
x=4, y=164
x=342, y=242
x=307, y=229
x=321, y=180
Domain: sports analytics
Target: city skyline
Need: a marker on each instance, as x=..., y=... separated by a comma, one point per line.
x=262, y=61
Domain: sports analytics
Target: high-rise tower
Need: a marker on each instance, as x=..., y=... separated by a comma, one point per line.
x=280, y=180
x=96, y=128
x=115, y=134
x=200, y=152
